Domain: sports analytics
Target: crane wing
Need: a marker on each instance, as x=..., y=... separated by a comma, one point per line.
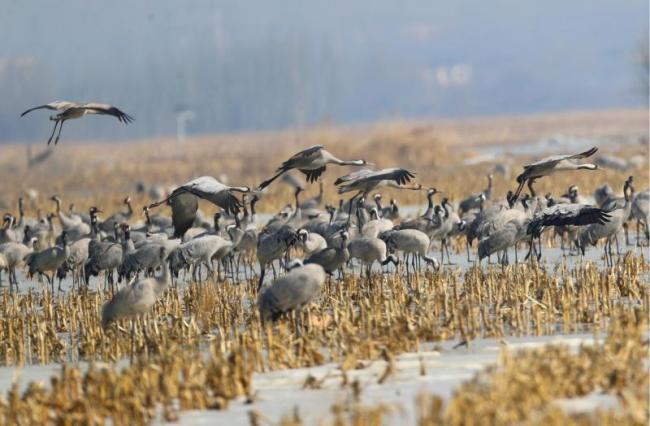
x=353, y=176
x=55, y=106
x=553, y=159
x=567, y=214
x=212, y=190
x=398, y=175
x=105, y=109
x=305, y=154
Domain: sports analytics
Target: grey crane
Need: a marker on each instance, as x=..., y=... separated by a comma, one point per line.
x=364, y=181
x=143, y=259
x=375, y=226
x=498, y=241
x=551, y=165
x=609, y=230
x=430, y=193
x=472, y=202
x=271, y=245
x=49, y=260
x=196, y=252
x=184, y=200
x=503, y=228
x=449, y=225
x=108, y=225
x=312, y=162
x=310, y=242
x=76, y=260
x=369, y=250
x=332, y=258
x=614, y=202
x=14, y=255
x=104, y=256
x=72, y=110
x=410, y=242
x=66, y=221
x=390, y=212
x=244, y=243
x=7, y=233
x=137, y=298
x=291, y=292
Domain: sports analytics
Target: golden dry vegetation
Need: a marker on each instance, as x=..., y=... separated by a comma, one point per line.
x=200, y=346
x=104, y=173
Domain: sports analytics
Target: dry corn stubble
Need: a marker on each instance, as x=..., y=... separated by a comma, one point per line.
x=522, y=388
x=353, y=320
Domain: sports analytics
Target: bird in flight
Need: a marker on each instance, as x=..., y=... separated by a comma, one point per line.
x=312, y=162
x=551, y=165
x=184, y=200
x=71, y=110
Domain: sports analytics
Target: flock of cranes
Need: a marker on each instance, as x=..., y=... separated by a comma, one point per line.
x=329, y=239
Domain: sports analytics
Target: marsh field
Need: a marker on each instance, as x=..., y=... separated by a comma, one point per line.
x=562, y=340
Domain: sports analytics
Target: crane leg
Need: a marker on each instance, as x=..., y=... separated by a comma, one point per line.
x=627, y=234
x=261, y=281
x=447, y=250
x=350, y=206
x=469, y=259
x=518, y=191
x=59, y=134
x=56, y=123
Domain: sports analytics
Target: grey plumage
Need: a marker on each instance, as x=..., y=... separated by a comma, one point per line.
x=367, y=180
x=332, y=258
x=566, y=214
x=193, y=252
x=14, y=255
x=49, y=260
x=594, y=232
x=271, y=245
x=145, y=258
x=551, y=165
x=473, y=201
x=184, y=200
x=108, y=225
x=499, y=240
x=410, y=241
x=291, y=292
x=72, y=110
x=137, y=298
x=312, y=162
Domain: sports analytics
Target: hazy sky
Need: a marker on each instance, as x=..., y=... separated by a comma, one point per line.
x=273, y=64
